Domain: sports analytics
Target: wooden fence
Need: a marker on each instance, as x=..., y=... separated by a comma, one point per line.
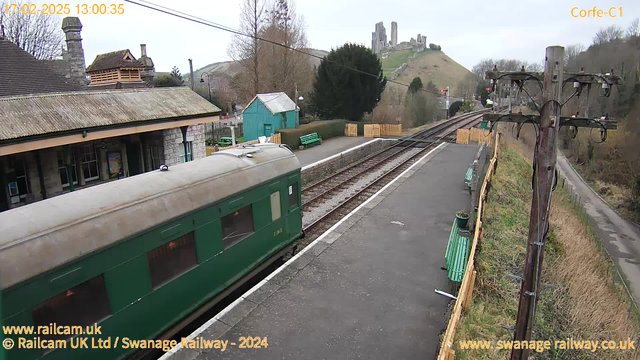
x=390, y=130
x=479, y=135
x=275, y=138
x=350, y=129
x=372, y=130
x=463, y=136
x=463, y=302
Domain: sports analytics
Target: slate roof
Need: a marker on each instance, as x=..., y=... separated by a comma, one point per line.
x=21, y=74
x=114, y=60
x=277, y=102
x=58, y=66
x=23, y=116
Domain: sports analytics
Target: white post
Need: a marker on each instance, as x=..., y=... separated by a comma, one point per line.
x=233, y=135
x=448, y=103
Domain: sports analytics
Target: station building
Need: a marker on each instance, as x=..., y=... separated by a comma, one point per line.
x=60, y=133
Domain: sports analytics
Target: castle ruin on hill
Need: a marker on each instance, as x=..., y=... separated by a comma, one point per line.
x=380, y=44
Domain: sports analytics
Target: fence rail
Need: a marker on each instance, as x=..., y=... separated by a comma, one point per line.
x=463, y=302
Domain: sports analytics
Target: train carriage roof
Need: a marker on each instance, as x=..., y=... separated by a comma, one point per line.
x=44, y=235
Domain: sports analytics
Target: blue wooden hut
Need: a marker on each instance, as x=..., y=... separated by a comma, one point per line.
x=267, y=113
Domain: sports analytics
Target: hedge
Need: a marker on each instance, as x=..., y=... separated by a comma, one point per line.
x=326, y=129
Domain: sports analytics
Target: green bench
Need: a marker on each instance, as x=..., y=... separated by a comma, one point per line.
x=457, y=253
x=310, y=139
x=468, y=177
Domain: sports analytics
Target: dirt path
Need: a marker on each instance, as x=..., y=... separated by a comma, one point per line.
x=621, y=237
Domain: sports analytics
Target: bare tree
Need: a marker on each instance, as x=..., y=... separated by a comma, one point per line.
x=571, y=52
x=246, y=49
x=467, y=87
x=634, y=28
x=535, y=67
x=481, y=68
x=288, y=67
x=608, y=34
x=38, y=34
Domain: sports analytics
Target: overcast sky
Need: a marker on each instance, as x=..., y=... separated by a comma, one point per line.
x=467, y=30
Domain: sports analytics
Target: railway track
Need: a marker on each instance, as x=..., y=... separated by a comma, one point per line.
x=350, y=187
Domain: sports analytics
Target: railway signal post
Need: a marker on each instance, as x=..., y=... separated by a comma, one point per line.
x=544, y=175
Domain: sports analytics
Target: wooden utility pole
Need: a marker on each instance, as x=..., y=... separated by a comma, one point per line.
x=548, y=124
x=543, y=182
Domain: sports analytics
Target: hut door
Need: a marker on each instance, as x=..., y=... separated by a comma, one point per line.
x=268, y=130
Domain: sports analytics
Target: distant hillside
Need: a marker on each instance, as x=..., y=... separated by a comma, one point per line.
x=227, y=69
x=429, y=65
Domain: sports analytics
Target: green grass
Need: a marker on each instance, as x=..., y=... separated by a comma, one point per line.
x=564, y=311
x=396, y=58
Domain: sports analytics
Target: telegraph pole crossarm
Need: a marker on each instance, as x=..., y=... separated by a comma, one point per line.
x=564, y=120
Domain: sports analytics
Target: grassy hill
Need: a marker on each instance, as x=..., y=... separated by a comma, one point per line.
x=429, y=65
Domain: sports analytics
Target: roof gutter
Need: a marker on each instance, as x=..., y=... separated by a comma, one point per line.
x=23, y=144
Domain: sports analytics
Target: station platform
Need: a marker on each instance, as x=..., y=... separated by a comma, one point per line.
x=365, y=288
x=328, y=148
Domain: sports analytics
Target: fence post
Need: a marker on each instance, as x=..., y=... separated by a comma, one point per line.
x=468, y=297
x=474, y=189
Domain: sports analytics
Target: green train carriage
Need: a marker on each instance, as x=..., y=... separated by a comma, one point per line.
x=138, y=255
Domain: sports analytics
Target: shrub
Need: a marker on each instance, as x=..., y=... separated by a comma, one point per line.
x=453, y=109
x=326, y=129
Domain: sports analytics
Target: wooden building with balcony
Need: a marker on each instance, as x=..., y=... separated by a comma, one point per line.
x=116, y=70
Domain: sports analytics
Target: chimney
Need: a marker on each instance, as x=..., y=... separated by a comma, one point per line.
x=149, y=70
x=74, y=54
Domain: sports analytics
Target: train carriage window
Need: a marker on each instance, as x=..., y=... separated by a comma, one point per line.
x=237, y=226
x=172, y=259
x=81, y=305
x=293, y=195
x=275, y=206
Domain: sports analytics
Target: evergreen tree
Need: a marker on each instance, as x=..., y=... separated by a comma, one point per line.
x=175, y=73
x=481, y=90
x=416, y=84
x=431, y=87
x=339, y=92
x=173, y=79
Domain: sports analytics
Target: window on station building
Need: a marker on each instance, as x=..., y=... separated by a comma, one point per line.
x=157, y=156
x=82, y=305
x=172, y=259
x=275, y=206
x=64, y=175
x=293, y=195
x=237, y=226
x=17, y=178
x=89, y=162
x=189, y=155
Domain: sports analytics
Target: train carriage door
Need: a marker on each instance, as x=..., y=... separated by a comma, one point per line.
x=294, y=214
